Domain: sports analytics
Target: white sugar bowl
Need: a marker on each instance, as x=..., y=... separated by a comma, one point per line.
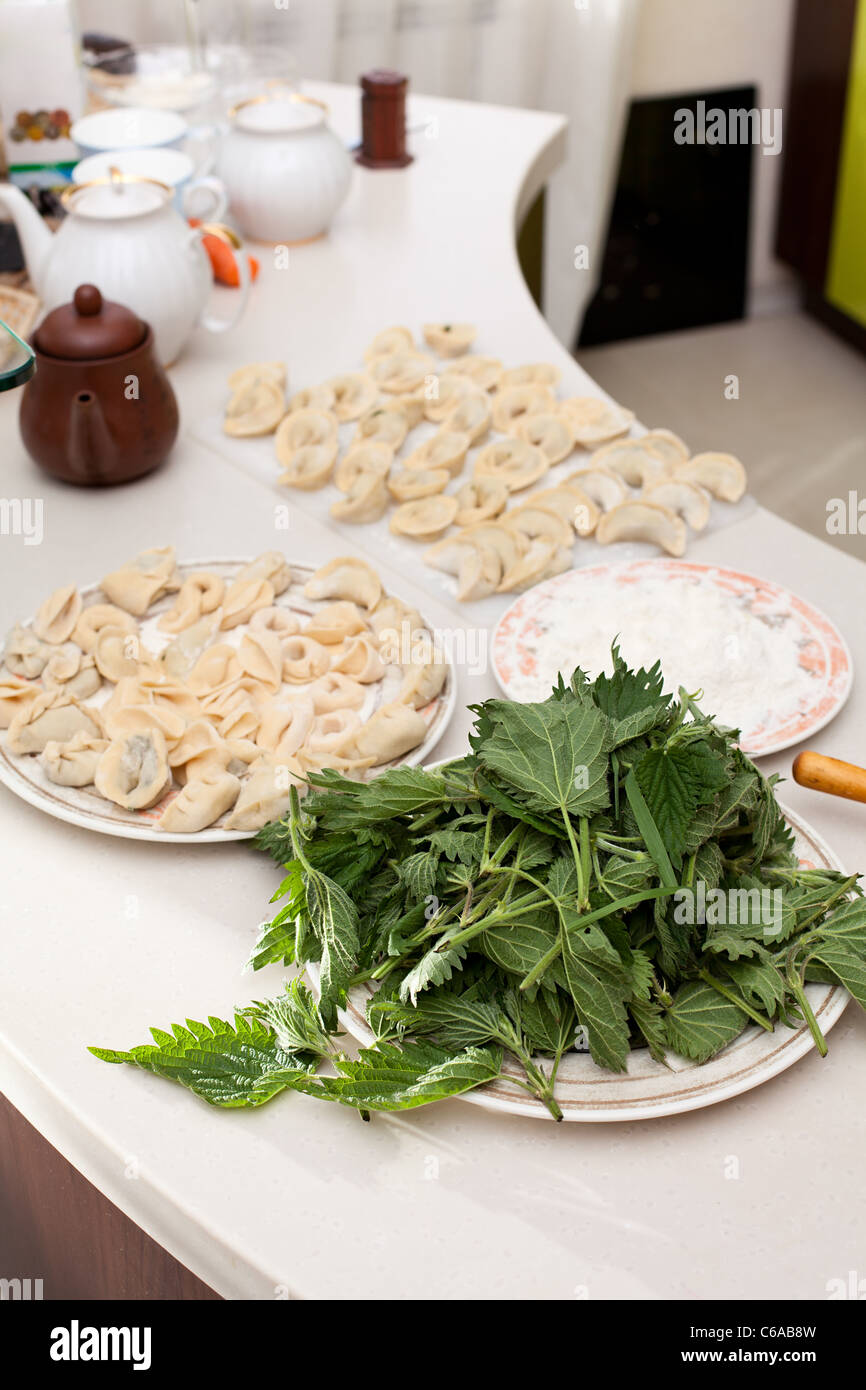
x=285, y=171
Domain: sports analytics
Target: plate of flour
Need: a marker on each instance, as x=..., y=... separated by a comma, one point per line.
x=755, y=656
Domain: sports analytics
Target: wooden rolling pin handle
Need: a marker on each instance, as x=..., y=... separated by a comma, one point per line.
x=830, y=775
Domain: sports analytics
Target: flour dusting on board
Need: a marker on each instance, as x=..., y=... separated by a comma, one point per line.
x=707, y=639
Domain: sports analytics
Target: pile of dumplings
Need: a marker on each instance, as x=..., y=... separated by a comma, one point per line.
x=242, y=701
x=464, y=490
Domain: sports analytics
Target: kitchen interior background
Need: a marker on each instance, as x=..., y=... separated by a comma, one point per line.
x=612, y=66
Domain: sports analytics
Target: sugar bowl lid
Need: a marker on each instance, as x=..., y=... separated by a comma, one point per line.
x=90, y=327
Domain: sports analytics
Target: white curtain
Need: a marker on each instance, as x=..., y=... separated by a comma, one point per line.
x=572, y=56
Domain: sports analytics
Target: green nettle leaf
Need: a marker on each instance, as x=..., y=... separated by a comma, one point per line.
x=400, y=791
x=700, y=1022
x=555, y=754
x=418, y=873
x=275, y=944
x=633, y=701
x=549, y=1022
x=517, y=949
x=434, y=968
x=294, y=1019
x=227, y=1065
x=759, y=982
x=675, y=781
x=387, y=1077
x=599, y=986
x=841, y=947
x=649, y=1020
x=334, y=919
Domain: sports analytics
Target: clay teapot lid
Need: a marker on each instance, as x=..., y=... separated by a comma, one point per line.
x=90, y=327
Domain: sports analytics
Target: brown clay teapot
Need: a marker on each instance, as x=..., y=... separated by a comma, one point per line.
x=100, y=408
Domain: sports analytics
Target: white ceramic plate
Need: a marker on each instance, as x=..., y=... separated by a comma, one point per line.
x=24, y=776
x=814, y=644
x=647, y=1089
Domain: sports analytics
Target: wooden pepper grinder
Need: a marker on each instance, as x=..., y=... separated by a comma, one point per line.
x=383, y=120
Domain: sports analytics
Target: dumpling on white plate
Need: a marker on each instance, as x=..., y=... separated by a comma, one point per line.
x=266, y=795
x=73, y=764
x=393, y=730
x=140, y=582
x=133, y=771
x=51, y=718
x=25, y=654
x=201, y=802
x=56, y=619
x=15, y=695
x=347, y=578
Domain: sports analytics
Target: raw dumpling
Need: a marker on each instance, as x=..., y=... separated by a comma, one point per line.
x=366, y=500
x=336, y=691
x=180, y=656
x=445, y=449
x=384, y=424
x=335, y=622
x=73, y=764
x=136, y=585
x=354, y=394
x=199, y=750
x=450, y=339
x=118, y=654
x=57, y=617
x=200, y=803
x=15, y=695
x=215, y=667
x=514, y=403
x=482, y=499
x=95, y=618
x=266, y=795
x=389, y=733
x=198, y=594
x=370, y=456
x=64, y=664
x=401, y=371
x=261, y=656
x=133, y=771
x=145, y=720
x=361, y=660
x=412, y=483
x=330, y=731
x=258, y=371
x=256, y=407
x=282, y=621
x=346, y=577
x=445, y=394
x=304, y=660
x=243, y=598
x=270, y=565
x=389, y=340
x=25, y=654
x=285, y=726
x=51, y=718
x=81, y=686
x=486, y=372
x=425, y=519
x=422, y=683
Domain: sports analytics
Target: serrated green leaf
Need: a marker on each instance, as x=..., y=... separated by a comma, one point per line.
x=553, y=754
x=700, y=1022
x=599, y=986
x=230, y=1065
x=388, y=1077
x=675, y=780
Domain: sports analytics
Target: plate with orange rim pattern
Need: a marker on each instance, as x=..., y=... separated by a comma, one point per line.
x=814, y=649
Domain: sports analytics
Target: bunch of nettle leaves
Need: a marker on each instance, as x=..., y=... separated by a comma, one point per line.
x=533, y=897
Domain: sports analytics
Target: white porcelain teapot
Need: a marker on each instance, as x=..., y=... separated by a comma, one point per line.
x=285, y=171
x=124, y=235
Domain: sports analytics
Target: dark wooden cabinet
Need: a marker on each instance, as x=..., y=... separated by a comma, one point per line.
x=57, y=1227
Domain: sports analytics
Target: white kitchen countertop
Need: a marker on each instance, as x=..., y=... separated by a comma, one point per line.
x=99, y=937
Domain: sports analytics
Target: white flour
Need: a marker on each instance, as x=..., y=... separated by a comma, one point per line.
x=706, y=639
